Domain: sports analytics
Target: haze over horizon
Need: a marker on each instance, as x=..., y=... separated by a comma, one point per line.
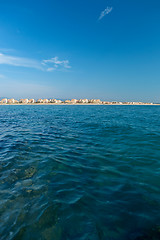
x=80, y=49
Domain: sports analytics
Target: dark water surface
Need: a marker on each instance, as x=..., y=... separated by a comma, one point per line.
x=79, y=172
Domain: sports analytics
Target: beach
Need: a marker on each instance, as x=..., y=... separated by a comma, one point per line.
x=80, y=104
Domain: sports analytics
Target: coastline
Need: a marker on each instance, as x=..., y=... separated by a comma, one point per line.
x=76, y=104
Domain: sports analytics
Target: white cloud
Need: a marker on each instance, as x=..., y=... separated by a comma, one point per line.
x=50, y=69
x=105, y=12
x=55, y=64
x=19, y=61
x=49, y=65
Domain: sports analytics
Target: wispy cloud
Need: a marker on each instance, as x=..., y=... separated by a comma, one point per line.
x=105, y=12
x=56, y=64
x=6, y=50
x=45, y=65
x=2, y=76
x=19, y=61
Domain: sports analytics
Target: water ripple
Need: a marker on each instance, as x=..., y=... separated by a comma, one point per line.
x=73, y=172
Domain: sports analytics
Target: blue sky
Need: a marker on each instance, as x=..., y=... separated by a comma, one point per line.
x=80, y=49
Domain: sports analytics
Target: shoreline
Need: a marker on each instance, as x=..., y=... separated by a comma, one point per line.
x=75, y=104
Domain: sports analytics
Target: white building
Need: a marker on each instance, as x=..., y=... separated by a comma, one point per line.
x=45, y=100
x=4, y=100
x=40, y=101
x=11, y=101
x=24, y=101
x=74, y=101
x=31, y=101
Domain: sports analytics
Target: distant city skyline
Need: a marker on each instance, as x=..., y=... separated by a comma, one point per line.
x=80, y=49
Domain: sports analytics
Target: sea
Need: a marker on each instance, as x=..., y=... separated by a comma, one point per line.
x=79, y=172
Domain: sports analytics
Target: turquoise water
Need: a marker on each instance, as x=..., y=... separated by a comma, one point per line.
x=79, y=172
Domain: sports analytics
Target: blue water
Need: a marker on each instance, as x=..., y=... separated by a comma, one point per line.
x=79, y=172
